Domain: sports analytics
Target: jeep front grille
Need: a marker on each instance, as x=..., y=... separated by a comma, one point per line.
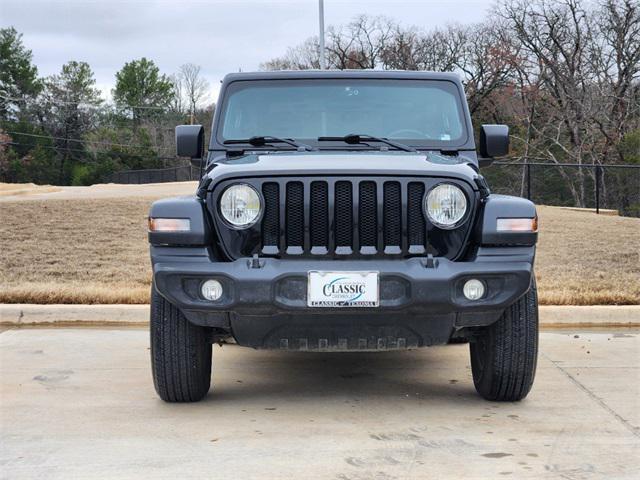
x=343, y=217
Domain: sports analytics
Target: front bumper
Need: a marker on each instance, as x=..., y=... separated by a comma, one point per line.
x=414, y=286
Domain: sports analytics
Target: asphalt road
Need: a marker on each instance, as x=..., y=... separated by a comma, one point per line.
x=80, y=404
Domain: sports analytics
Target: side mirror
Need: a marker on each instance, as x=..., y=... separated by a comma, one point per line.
x=494, y=142
x=190, y=142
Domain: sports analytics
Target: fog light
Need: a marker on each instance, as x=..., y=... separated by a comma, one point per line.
x=212, y=290
x=473, y=289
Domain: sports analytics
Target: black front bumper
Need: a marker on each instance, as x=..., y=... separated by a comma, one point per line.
x=263, y=295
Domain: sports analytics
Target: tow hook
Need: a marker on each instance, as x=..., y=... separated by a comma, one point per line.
x=255, y=262
x=430, y=262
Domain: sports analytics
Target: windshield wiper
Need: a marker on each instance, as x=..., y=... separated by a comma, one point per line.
x=262, y=141
x=354, y=139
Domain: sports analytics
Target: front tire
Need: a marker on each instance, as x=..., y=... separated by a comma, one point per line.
x=180, y=353
x=504, y=356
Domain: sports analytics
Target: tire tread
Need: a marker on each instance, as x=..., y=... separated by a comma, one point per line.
x=180, y=353
x=507, y=369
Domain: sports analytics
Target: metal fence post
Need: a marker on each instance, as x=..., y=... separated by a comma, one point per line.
x=528, y=181
x=598, y=174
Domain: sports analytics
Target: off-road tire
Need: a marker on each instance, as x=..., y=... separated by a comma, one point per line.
x=180, y=353
x=504, y=355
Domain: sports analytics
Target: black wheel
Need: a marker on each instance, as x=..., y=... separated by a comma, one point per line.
x=504, y=356
x=180, y=353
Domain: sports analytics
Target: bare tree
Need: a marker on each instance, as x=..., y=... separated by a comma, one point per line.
x=360, y=44
x=556, y=35
x=301, y=57
x=412, y=49
x=178, y=103
x=616, y=63
x=194, y=87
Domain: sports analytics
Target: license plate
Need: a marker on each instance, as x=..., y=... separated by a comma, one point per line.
x=343, y=289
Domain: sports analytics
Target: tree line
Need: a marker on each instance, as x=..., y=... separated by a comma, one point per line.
x=60, y=130
x=564, y=74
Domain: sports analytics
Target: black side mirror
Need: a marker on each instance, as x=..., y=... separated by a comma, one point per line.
x=190, y=142
x=494, y=142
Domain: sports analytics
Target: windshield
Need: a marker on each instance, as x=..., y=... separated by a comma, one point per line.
x=415, y=112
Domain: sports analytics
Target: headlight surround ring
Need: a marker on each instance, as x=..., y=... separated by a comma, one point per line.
x=446, y=206
x=240, y=206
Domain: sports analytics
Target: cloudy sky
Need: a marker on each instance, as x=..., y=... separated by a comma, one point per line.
x=221, y=36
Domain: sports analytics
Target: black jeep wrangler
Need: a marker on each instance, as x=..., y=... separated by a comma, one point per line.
x=343, y=211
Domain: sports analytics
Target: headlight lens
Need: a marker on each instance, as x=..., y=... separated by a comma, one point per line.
x=240, y=205
x=446, y=205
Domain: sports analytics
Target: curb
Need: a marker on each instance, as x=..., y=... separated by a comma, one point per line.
x=589, y=316
x=73, y=315
x=551, y=316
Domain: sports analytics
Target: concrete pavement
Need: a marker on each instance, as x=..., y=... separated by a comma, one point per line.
x=79, y=403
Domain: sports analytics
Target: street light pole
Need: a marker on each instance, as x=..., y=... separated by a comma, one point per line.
x=323, y=64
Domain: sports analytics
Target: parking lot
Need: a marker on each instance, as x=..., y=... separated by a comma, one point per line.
x=79, y=403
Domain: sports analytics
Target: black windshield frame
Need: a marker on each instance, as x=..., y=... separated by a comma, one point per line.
x=465, y=142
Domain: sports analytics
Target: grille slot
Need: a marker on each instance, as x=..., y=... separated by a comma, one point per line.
x=415, y=218
x=295, y=217
x=271, y=219
x=344, y=214
x=392, y=214
x=367, y=214
x=319, y=216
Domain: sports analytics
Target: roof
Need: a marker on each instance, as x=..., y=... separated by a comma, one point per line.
x=376, y=74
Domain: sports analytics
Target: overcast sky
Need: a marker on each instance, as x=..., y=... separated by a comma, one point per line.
x=221, y=36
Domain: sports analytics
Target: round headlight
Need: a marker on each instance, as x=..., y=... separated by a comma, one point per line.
x=240, y=205
x=445, y=205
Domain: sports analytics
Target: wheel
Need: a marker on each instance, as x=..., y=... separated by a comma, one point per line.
x=180, y=353
x=504, y=357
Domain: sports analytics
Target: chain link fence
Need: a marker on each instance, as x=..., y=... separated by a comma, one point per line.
x=613, y=187
x=156, y=175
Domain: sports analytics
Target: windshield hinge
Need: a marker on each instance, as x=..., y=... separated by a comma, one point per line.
x=202, y=189
x=237, y=152
x=483, y=186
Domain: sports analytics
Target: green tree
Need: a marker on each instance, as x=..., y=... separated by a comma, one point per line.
x=18, y=76
x=142, y=90
x=70, y=104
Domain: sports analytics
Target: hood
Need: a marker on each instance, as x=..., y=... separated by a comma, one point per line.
x=344, y=164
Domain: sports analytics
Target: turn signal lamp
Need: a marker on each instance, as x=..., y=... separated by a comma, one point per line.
x=518, y=224
x=169, y=224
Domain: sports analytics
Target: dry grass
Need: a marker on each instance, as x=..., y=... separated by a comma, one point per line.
x=74, y=251
x=588, y=259
x=95, y=251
